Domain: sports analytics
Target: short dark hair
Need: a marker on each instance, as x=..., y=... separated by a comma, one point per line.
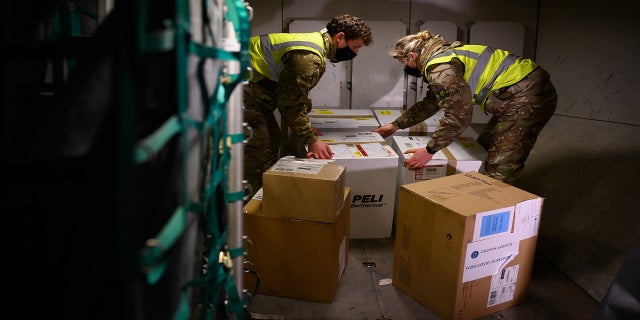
x=352, y=26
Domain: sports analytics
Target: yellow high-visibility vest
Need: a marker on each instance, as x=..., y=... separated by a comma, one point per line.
x=486, y=69
x=266, y=51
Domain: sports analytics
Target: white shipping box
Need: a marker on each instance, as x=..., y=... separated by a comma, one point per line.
x=426, y=127
x=338, y=113
x=371, y=174
x=332, y=137
x=386, y=116
x=323, y=124
x=464, y=154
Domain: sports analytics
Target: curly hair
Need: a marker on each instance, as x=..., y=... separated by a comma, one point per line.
x=352, y=26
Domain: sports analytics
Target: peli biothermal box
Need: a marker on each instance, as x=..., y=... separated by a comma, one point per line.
x=331, y=137
x=344, y=123
x=339, y=119
x=372, y=173
x=339, y=113
x=429, y=125
x=465, y=244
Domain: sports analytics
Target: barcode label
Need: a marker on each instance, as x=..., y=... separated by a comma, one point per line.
x=492, y=298
x=503, y=286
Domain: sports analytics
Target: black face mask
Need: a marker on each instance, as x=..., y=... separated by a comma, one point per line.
x=344, y=54
x=412, y=71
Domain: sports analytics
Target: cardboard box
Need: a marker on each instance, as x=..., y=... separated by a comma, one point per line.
x=372, y=173
x=464, y=154
x=293, y=258
x=304, y=189
x=465, y=244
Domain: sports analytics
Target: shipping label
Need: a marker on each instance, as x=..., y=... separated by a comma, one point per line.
x=503, y=286
x=488, y=257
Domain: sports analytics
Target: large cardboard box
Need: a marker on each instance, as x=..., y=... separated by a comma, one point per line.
x=464, y=154
x=293, y=258
x=372, y=173
x=465, y=244
x=304, y=189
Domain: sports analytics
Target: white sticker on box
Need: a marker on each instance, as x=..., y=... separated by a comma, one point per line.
x=258, y=195
x=527, y=218
x=361, y=150
x=493, y=223
x=374, y=150
x=503, y=286
x=429, y=172
x=487, y=257
x=340, y=151
x=309, y=167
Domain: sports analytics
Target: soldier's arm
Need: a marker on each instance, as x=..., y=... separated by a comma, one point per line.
x=302, y=71
x=420, y=111
x=453, y=95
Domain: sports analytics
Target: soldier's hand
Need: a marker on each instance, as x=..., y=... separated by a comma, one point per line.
x=418, y=160
x=319, y=150
x=386, y=130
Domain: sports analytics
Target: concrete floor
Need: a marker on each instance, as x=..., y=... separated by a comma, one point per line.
x=360, y=295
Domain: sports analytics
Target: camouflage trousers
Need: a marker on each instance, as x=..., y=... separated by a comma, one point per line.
x=519, y=112
x=261, y=150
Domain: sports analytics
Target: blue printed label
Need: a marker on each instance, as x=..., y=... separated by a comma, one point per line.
x=495, y=223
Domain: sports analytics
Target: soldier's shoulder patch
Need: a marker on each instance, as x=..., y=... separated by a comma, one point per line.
x=440, y=92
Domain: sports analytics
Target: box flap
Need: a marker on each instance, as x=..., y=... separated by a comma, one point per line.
x=469, y=193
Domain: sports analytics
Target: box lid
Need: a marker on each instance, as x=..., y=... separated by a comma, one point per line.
x=338, y=112
x=469, y=193
x=318, y=169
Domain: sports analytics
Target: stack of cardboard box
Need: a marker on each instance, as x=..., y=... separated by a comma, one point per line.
x=298, y=226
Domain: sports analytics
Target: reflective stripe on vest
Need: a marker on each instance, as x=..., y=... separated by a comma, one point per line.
x=273, y=63
x=483, y=66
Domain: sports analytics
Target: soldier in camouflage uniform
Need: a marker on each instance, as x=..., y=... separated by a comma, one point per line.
x=518, y=93
x=286, y=66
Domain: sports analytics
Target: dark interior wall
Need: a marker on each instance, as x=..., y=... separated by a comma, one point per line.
x=585, y=161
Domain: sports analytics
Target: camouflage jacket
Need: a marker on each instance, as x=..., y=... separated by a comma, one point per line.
x=302, y=71
x=447, y=90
